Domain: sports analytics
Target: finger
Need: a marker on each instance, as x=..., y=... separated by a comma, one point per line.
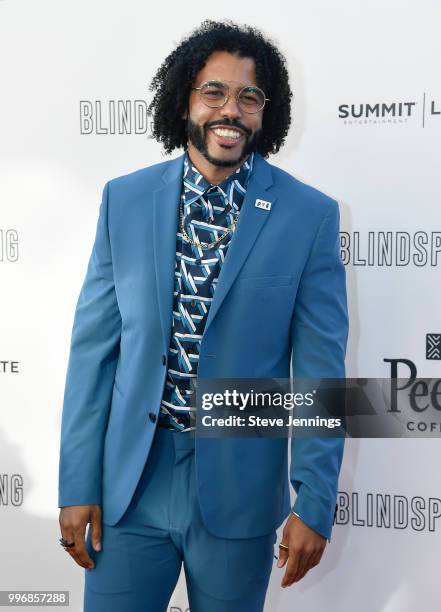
x=75, y=556
x=95, y=530
x=81, y=554
x=300, y=575
x=311, y=561
x=68, y=535
x=291, y=567
x=304, y=565
x=283, y=556
x=301, y=572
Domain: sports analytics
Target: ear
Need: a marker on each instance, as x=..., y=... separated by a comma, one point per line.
x=185, y=115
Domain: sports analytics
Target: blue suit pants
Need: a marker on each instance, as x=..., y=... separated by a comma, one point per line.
x=141, y=557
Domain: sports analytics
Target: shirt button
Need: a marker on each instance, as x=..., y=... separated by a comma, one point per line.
x=164, y=360
x=193, y=302
x=152, y=417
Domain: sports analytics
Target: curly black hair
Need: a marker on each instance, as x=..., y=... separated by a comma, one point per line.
x=176, y=75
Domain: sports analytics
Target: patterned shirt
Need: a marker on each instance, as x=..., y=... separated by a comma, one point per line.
x=206, y=209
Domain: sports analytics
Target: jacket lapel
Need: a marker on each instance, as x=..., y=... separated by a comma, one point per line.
x=165, y=225
x=251, y=222
x=165, y=221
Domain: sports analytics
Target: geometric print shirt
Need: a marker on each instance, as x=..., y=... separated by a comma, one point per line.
x=206, y=208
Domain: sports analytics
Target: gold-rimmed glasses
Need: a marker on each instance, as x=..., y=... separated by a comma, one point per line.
x=215, y=94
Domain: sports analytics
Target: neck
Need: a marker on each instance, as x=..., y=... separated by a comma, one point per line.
x=213, y=174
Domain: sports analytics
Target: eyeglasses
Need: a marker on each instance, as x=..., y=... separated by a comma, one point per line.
x=215, y=94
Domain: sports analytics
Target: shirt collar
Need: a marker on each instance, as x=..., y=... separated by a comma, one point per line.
x=195, y=184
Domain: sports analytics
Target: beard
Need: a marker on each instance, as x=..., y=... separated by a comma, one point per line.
x=198, y=137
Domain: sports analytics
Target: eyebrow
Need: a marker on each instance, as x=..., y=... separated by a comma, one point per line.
x=240, y=86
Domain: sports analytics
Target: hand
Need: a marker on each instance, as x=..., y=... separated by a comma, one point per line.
x=73, y=521
x=306, y=548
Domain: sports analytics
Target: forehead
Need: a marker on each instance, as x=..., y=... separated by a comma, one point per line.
x=224, y=66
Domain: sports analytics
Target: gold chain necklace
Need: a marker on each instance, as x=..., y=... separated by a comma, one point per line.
x=203, y=245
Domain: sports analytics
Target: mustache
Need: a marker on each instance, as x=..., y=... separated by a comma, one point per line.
x=230, y=125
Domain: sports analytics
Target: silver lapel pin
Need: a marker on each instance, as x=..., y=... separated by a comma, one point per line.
x=262, y=204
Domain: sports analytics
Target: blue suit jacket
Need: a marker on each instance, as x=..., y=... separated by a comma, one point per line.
x=281, y=293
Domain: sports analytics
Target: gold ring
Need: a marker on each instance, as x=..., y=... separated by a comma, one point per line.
x=284, y=546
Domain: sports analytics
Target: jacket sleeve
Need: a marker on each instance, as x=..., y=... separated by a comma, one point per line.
x=94, y=352
x=319, y=332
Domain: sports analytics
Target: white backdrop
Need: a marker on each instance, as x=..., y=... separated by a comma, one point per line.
x=383, y=171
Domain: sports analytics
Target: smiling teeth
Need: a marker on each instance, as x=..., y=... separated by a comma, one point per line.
x=227, y=133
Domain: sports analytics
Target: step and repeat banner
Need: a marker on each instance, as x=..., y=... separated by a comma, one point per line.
x=366, y=130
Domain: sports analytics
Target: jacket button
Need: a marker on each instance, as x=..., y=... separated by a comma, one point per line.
x=164, y=360
x=152, y=417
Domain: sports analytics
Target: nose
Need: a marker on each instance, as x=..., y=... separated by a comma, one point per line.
x=231, y=108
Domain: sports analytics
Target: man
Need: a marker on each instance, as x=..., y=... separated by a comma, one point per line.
x=215, y=264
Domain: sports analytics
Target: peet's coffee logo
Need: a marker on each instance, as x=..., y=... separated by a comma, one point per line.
x=8, y=245
x=391, y=248
x=388, y=511
x=433, y=346
x=115, y=117
x=390, y=112
x=421, y=396
x=11, y=490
